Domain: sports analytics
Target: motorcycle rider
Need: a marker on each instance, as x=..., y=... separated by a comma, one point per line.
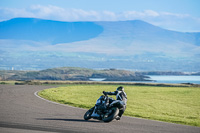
x=120, y=95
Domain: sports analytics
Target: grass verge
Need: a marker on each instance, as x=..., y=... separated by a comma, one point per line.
x=170, y=104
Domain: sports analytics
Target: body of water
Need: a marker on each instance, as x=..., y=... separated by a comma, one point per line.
x=174, y=79
x=164, y=79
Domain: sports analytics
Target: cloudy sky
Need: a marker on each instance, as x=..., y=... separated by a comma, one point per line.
x=178, y=15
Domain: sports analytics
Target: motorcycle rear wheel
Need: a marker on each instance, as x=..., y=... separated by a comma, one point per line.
x=110, y=116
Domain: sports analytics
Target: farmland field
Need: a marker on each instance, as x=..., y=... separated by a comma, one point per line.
x=170, y=104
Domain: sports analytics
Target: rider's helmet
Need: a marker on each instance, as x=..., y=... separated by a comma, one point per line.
x=120, y=88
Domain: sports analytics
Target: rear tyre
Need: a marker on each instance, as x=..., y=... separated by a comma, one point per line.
x=88, y=114
x=112, y=115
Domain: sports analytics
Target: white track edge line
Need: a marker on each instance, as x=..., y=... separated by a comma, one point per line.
x=36, y=94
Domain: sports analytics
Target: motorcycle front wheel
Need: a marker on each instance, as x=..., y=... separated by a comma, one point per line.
x=112, y=114
x=88, y=114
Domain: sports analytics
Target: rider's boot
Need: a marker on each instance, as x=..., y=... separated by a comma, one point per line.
x=118, y=118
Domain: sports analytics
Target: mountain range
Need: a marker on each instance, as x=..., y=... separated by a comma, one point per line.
x=31, y=43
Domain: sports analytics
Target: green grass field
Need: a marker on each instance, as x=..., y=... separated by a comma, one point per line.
x=170, y=104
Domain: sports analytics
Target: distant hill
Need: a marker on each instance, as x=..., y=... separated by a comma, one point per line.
x=55, y=32
x=30, y=43
x=74, y=74
x=47, y=31
x=143, y=31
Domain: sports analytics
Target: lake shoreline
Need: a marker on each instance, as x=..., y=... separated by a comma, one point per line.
x=53, y=82
x=183, y=79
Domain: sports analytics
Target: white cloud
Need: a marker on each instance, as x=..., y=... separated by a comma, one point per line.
x=8, y=13
x=173, y=21
x=175, y=14
x=151, y=13
x=46, y=10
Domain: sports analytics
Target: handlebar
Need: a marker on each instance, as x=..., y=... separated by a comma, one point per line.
x=105, y=93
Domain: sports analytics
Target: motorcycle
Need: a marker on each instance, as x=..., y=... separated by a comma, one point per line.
x=105, y=109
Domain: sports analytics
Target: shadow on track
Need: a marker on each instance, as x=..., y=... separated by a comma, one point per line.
x=75, y=120
x=35, y=128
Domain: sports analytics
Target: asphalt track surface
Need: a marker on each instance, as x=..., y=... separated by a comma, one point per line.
x=23, y=112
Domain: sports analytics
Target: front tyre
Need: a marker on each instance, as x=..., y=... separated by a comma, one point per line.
x=88, y=114
x=113, y=112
